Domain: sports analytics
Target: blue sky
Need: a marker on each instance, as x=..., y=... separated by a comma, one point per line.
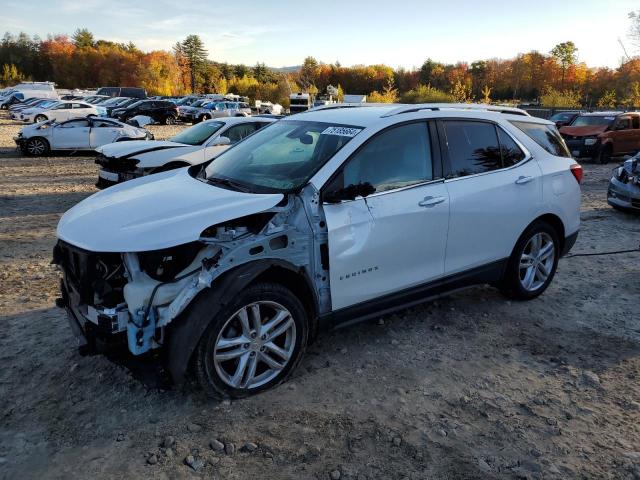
x=397, y=33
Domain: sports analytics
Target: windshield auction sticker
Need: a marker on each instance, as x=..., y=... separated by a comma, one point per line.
x=342, y=131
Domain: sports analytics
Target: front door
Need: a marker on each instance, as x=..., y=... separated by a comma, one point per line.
x=394, y=238
x=103, y=132
x=73, y=134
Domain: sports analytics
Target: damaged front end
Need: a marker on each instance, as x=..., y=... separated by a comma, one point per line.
x=115, y=170
x=128, y=300
x=624, y=187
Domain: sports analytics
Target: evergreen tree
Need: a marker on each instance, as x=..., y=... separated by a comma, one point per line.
x=195, y=55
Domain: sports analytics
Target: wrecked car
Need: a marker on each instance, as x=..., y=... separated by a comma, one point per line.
x=316, y=221
x=195, y=145
x=624, y=187
x=77, y=134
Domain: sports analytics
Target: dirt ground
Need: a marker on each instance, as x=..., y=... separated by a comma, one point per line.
x=470, y=386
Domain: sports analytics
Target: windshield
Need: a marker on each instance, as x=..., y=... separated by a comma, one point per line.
x=561, y=117
x=112, y=101
x=199, y=103
x=593, y=120
x=135, y=104
x=197, y=134
x=280, y=157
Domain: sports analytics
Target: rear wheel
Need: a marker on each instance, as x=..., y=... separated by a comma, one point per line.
x=604, y=155
x=253, y=344
x=36, y=146
x=533, y=262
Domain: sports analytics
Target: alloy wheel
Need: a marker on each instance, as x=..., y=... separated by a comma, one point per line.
x=536, y=261
x=36, y=147
x=255, y=345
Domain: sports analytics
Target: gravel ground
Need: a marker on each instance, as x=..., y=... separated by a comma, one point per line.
x=470, y=386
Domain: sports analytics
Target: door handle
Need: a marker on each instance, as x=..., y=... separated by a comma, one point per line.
x=431, y=201
x=522, y=180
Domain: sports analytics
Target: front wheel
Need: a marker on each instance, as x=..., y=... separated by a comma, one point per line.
x=36, y=147
x=533, y=262
x=169, y=120
x=254, y=342
x=40, y=118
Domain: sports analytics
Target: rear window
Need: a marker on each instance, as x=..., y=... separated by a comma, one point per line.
x=546, y=136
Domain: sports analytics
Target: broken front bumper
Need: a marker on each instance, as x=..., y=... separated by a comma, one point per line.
x=95, y=332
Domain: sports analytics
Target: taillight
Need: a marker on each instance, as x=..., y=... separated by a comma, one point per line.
x=576, y=169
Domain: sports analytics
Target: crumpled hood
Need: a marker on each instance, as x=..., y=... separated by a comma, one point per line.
x=121, y=149
x=586, y=131
x=154, y=212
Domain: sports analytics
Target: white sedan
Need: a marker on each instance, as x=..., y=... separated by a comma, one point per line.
x=61, y=111
x=195, y=145
x=76, y=134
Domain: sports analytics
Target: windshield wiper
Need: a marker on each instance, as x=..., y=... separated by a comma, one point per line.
x=228, y=183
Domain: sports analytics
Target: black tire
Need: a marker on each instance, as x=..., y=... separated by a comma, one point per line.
x=204, y=118
x=512, y=284
x=36, y=146
x=169, y=120
x=205, y=369
x=604, y=154
x=40, y=118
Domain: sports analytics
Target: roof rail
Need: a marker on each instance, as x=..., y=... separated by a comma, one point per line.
x=455, y=106
x=334, y=106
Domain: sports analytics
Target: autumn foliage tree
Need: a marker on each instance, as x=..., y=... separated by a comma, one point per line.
x=85, y=61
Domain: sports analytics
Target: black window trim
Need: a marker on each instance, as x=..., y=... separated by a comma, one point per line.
x=436, y=159
x=445, y=151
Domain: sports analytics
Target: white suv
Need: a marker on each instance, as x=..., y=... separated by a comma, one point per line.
x=319, y=220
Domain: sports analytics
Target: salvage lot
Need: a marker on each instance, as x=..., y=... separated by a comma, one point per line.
x=469, y=386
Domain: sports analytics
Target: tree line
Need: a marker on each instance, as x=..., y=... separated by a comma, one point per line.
x=556, y=78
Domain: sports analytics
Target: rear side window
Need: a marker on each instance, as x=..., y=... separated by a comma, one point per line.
x=473, y=147
x=546, y=136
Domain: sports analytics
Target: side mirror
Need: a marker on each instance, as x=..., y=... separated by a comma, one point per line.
x=350, y=192
x=221, y=141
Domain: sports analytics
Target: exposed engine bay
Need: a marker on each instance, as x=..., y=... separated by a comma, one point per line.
x=137, y=295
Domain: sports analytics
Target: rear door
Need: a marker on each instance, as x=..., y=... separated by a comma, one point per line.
x=72, y=134
x=395, y=238
x=79, y=110
x=495, y=190
x=625, y=135
x=103, y=132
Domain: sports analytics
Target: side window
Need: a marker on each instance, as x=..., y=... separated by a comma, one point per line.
x=75, y=124
x=546, y=136
x=511, y=152
x=104, y=124
x=473, y=147
x=238, y=132
x=635, y=120
x=398, y=157
x=78, y=106
x=623, y=123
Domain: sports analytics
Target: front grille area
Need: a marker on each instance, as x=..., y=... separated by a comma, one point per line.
x=118, y=165
x=97, y=277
